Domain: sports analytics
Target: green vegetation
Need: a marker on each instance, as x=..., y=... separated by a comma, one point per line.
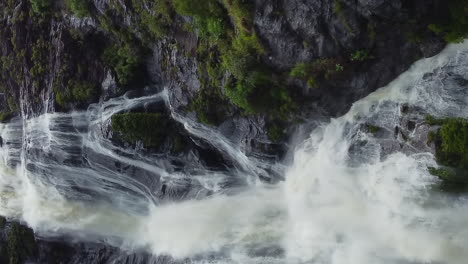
x=431, y=120
x=339, y=67
x=41, y=7
x=337, y=7
x=208, y=104
x=149, y=128
x=451, y=149
x=455, y=28
x=125, y=59
x=39, y=60
x=229, y=43
x=154, y=18
x=209, y=16
x=79, y=8
x=317, y=71
x=361, y=55
x=76, y=91
x=275, y=132
x=372, y=129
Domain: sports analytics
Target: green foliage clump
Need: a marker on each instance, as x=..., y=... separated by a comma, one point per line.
x=442, y=173
x=451, y=143
x=125, y=60
x=209, y=106
x=154, y=17
x=431, y=120
x=455, y=28
x=41, y=7
x=150, y=128
x=317, y=71
x=372, y=129
x=209, y=16
x=453, y=150
x=76, y=92
x=240, y=12
x=361, y=55
x=79, y=8
x=39, y=58
x=275, y=132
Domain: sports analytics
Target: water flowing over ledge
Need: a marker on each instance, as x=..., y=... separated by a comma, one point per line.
x=61, y=175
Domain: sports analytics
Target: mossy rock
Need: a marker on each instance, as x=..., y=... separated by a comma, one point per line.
x=150, y=128
x=451, y=141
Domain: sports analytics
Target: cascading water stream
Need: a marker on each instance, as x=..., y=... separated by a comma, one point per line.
x=348, y=197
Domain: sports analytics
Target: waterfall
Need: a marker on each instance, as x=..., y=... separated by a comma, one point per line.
x=349, y=196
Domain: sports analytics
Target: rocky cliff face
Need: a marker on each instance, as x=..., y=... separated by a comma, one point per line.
x=253, y=69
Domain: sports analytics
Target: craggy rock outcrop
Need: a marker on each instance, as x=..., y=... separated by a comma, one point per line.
x=393, y=32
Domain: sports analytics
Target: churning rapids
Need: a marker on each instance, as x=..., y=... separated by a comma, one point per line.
x=343, y=199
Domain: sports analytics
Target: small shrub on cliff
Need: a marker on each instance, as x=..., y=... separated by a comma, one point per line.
x=41, y=6
x=209, y=16
x=361, y=55
x=150, y=128
x=125, y=60
x=154, y=17
x=275, y=132
x=451, y=150
x=317, y=71
x=79, y=8
x=75, y=92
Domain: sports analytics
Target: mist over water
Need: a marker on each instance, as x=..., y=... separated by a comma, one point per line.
x=349, y=197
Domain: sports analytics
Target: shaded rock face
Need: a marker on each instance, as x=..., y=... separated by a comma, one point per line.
x=305, y=30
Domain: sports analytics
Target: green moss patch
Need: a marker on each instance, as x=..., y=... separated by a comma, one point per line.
x=451, y=142
x=372, y=129
x=76, y=92
x=150, y=128
x=317, y=71
x=80, y=8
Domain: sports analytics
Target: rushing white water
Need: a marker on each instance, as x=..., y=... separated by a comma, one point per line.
x=374, y=204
